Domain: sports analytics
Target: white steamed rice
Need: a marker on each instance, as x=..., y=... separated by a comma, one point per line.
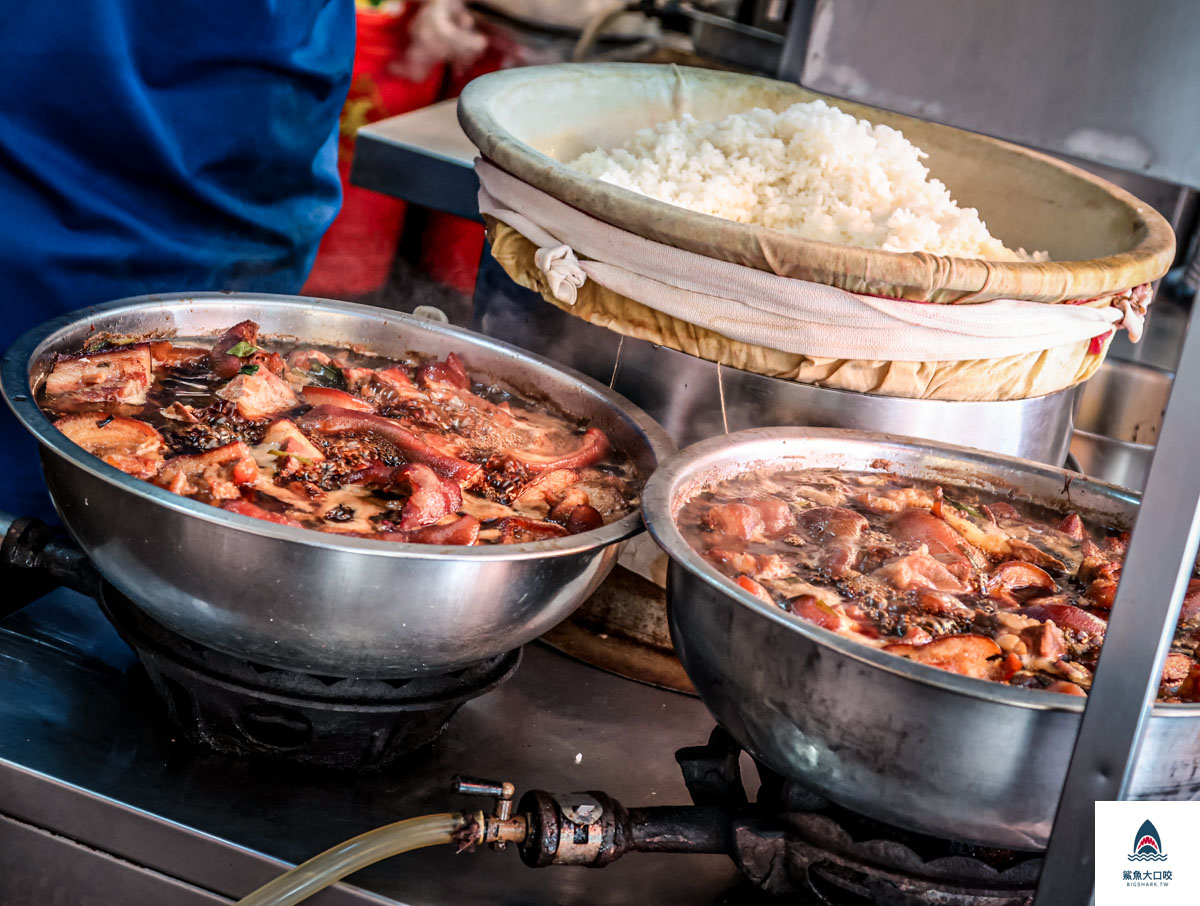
x=811, y=170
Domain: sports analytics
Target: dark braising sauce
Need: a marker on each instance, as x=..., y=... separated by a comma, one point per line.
x=340, y=441
x=986, y=587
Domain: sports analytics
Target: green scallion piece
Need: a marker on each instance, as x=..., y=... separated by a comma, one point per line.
x=303, y=459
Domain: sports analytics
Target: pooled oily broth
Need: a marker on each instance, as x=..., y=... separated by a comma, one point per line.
x=337, y=440
x=946, y=576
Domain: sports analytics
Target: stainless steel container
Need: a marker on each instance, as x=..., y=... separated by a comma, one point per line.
x=1117, y=417
x=695, y=399
x=302, y=599
x=960, y=758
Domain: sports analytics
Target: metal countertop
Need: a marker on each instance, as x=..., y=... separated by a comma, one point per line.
x=85, y=754
x=423, y=157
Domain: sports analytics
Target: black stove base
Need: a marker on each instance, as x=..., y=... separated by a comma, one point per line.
x=785, y=861
x=246, y=709
x=797, y=846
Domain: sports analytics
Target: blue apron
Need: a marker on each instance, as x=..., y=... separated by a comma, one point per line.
x=156, y=147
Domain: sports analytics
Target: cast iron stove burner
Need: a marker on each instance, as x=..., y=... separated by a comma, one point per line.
x=243, y=708
x=833, y=857
x=794, y=841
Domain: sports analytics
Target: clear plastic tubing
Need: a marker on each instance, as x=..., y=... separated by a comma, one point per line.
x=346, y=858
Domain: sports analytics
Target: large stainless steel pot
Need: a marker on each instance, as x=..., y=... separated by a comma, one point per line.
x=961, y=758
x=300, y=599
x=693, y=398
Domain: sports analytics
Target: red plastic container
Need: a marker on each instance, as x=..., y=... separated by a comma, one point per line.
x=356, y=253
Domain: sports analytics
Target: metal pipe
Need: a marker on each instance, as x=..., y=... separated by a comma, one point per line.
x=473, y=786
x=680, y=829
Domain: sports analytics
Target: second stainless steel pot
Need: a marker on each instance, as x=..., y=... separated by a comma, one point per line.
x=302, y=599
x=922, y=748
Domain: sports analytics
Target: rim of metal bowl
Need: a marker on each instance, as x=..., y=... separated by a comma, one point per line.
x=1116, y=366
x=1115, y=441
x=14, y=383
x=659, y=514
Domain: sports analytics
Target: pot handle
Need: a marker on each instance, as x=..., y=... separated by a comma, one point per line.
x=34, y=561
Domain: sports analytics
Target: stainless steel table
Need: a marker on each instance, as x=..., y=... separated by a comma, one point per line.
x=98, y=804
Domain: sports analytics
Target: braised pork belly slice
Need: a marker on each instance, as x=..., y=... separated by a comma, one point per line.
x=387, y=389
x=125, y=443
x=430, y=496
x=217, y=475
x=518, y=529
x=969, y=655
x=91, y=381
x=1015, y=577
x=448, y=374
x=259, y=395
x=308, y=365
x=548, y=488
x=167, y=355
x=919, y=571
x=943, y=542
x=284, y=437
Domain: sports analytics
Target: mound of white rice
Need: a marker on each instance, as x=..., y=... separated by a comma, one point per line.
x=811, y=170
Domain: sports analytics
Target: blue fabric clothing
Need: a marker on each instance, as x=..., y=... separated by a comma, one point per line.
x=154, y=147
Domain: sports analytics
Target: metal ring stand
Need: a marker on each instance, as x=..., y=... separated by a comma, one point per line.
x=1162, y=552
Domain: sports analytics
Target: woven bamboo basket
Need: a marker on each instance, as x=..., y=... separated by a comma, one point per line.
x=1102, y=241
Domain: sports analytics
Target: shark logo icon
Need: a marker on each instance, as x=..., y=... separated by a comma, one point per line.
x=1147, y=845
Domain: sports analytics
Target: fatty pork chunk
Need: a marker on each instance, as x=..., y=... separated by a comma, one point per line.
x=125, y=443
x=95, y=382
x=256, y=387
x=732, y=526
x=112, y=379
